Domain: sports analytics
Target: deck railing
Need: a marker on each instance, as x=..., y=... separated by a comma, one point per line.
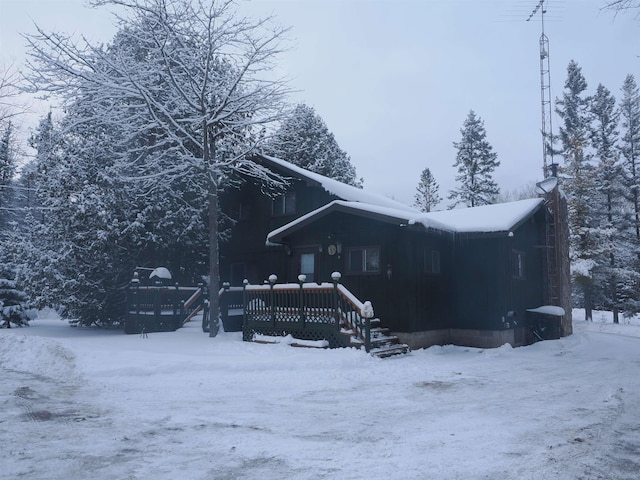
x=308, y=310
x=159, y=308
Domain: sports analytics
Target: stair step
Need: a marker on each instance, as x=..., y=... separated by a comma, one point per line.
x=384, y=340
x=388, y=351
x=379, y=331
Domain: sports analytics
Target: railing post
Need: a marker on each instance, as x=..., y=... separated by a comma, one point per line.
x=157, y=301
x=176, y=300
x=335, y=276
x=272, y=280
x=245, y=282
x=205, y=308
x=367, y=314
x=301, y=279
x=224, y=303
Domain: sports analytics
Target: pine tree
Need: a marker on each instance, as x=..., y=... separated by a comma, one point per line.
x=304, y=140
x=14, y=307
x=475, y=162
x=7, y=172
x=578, y=180
x=427, y=195
x=630, y=150
x=609, y=208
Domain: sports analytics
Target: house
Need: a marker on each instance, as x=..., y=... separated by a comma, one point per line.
x=474, y=276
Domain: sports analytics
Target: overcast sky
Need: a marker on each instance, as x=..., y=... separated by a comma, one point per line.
x=394, y=80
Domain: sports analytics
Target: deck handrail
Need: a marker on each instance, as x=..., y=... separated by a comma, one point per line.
x=306, y=305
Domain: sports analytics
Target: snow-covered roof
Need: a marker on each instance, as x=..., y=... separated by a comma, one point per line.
x=500, y=217
x=339, y=189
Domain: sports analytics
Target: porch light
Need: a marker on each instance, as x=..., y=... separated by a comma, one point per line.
x=273, y=278
x=336, y=276
x=302, y=278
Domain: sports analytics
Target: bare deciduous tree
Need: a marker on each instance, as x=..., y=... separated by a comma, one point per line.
x=192, y=76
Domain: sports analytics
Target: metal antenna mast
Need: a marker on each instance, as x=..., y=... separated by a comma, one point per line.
x=545, y=96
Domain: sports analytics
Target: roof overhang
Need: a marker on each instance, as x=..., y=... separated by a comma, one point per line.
x=380, y=214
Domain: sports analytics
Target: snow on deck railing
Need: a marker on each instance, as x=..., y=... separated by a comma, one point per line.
x=305, y=305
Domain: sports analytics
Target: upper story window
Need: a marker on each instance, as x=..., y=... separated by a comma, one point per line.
x=431, y=262
x=363, y=260
x=240, y=212
x=517, y=264
x=285, y=204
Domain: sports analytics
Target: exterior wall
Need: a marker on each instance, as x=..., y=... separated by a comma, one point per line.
x=487, y=293
x=463, y=337
x=245, y=248
x=404, y=297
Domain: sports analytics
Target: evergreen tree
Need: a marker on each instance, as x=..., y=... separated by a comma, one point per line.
x=475, y=162
x=427, y=195
x=609, y=207
x=630, y=144
x=7, y=172
x=304, y=140
x=630, y=150
x=578, y=180
x=14, y=308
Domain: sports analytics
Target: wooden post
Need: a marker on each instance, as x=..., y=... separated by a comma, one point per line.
x=245, y=282
x=224, y=303
x=272, y=280
x=301, y=279
x=335, y=276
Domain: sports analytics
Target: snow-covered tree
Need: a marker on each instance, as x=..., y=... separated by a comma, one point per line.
x=14, y=305
x=578, y=179
x=427, y=196
x=630, y=149
x=304, y=140
x=630, y=145
x=609, y=185
x=187, y=83
x=9, y=90
x=475, y=162
x=7, y=172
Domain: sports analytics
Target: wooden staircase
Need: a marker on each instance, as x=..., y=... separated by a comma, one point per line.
x=311, y=311
x=382, y=343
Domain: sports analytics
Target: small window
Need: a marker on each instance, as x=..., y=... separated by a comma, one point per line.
x=364, y=260
x=517, y=264
x=240, y=212
x=285, y=204
x=432, y=262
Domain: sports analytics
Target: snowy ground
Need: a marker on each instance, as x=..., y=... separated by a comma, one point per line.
x=85, y=403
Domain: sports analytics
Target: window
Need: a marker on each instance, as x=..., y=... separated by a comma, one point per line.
x=308, y=265
x=432, y=262
x=517, y=264
x=240, y=212
x=285, y=204
x=363, y=260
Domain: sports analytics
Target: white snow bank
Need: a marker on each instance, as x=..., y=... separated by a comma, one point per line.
x=38, y=356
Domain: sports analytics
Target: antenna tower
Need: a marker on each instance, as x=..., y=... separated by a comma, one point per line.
x=545, y=95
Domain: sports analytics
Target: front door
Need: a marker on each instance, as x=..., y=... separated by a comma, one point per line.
x=305, y=264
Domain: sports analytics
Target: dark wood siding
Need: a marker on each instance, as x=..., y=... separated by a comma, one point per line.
x=485, y=286
x=403, y=295
x=245, y=242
